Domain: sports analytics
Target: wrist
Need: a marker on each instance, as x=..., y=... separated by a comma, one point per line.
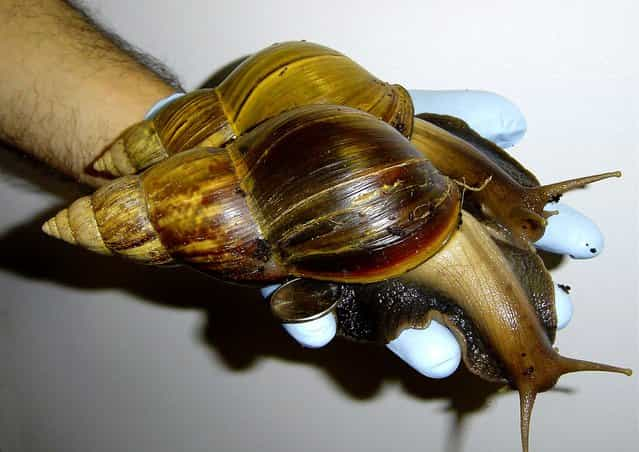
x=67, y=92
x=109, y=107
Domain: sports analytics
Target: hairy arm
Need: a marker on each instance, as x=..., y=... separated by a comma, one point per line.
x=67, y=90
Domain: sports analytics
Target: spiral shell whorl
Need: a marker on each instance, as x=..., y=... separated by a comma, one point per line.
x=202, y=217
x=76, y=225
x=114, y=220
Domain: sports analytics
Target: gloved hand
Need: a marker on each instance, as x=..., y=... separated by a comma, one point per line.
x=434, y=351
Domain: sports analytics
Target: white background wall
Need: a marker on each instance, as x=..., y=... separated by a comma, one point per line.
x=98, y=355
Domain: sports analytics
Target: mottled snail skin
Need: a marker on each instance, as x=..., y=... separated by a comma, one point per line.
x=326, y=192
x=497, y=299
x=277, y=79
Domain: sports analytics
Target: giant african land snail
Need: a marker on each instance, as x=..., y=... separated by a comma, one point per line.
x=373, y=231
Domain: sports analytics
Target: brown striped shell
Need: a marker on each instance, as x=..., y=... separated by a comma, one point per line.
x=277, y=79
x=325, y=192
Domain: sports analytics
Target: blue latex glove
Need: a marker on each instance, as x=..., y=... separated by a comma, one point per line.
x=492, y=116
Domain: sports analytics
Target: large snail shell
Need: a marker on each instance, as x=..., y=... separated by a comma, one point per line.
x=276, y=79
x=325, y=192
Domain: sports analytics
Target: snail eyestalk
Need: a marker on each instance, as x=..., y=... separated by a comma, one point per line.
x=570, y=365
x=559, y=365
x=556, y=189
x=542, y=195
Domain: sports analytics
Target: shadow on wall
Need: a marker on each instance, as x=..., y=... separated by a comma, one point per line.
x=359, y=370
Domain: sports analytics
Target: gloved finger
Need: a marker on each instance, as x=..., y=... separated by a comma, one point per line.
x=305, y=315
x=570, y=232
x=492, y=116
x=433, y=351
x=266, y=291
x=314, y=333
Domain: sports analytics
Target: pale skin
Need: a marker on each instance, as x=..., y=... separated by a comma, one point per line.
x=66, y=90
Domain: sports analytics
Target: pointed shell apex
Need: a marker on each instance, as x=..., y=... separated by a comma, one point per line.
x=59, y=227
x=50, y=228
x=115, y=161
x=77, y=225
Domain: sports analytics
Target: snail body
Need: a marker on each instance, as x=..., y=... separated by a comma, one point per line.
x=496, y=298
x=530, y=363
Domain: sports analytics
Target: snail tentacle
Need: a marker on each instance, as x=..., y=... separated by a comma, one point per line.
x=527, y=398
x=542, y=195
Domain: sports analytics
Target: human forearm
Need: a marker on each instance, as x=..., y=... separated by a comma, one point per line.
x=66, y=91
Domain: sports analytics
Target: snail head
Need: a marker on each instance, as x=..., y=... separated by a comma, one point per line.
x=521, y=209
x=533, y=378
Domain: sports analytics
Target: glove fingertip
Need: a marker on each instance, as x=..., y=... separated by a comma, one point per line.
x=493, y=116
